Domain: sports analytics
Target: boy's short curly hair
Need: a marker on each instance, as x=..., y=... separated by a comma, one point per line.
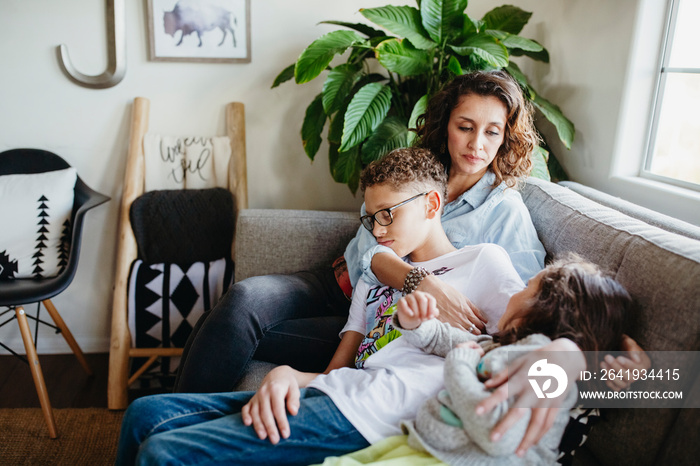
x=405, y=169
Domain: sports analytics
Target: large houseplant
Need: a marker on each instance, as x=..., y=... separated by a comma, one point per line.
x=372, y=108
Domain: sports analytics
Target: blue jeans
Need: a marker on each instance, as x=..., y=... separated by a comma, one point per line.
x=225, y=338
x=208, y=429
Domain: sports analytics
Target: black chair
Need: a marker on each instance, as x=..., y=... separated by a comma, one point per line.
x=15, y=293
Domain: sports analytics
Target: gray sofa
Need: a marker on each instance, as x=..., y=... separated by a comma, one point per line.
x=659, y=265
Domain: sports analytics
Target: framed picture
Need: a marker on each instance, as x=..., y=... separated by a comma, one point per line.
x=206, y=31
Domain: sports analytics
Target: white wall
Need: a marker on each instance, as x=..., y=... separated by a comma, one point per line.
x=588, y=40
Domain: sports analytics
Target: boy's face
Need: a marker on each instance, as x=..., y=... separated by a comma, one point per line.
x=405, y=234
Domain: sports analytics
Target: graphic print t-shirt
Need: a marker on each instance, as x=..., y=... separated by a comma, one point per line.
x=395, y=377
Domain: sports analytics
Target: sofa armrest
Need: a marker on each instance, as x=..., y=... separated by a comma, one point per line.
x=285, y=241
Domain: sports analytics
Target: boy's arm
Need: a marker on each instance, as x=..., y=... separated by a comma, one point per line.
x=344, y=355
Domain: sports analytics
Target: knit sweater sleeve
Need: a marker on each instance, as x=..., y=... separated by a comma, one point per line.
x=436, y=337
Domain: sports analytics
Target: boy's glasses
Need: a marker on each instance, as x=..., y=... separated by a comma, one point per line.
x=384, y=217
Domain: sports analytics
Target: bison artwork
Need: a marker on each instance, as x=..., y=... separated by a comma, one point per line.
x=191, y=16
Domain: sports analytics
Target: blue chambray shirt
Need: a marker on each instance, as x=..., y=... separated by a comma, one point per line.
x=482, y=214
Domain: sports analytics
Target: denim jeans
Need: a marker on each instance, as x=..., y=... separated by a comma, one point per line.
x=208, y=429
x=225, y=338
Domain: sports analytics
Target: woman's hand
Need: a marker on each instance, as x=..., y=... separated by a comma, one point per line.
x=455, y=309
x=267, y=410
x=416, y=308
x=562, y=352
x=638, y=360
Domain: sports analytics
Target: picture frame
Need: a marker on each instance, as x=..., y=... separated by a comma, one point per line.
x=200, y=31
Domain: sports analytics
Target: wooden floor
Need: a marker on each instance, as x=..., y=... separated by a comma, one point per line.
x=66, y=381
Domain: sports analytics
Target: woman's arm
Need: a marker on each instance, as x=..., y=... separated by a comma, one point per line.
x=455, y=309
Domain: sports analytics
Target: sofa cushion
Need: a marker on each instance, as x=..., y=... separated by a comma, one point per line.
x=294, y=240
x=661, y=270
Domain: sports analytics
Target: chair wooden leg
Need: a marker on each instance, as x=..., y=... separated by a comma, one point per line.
x=67, y=335
x=35, y=367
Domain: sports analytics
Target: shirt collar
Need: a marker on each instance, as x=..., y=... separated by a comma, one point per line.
x=477, y=194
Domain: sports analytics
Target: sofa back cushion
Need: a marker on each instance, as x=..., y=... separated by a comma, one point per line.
x=661, y=270
x=294, y=240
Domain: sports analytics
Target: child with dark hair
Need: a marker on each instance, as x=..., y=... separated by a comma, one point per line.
x=570, y=298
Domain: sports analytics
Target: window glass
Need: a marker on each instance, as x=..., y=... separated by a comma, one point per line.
x=686, y=36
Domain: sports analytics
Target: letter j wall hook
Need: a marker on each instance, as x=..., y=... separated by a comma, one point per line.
x=116, y=52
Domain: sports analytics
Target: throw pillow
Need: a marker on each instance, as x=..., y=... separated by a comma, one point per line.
x=35, y=210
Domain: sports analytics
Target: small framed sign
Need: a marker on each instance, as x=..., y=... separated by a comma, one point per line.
x=206, y=31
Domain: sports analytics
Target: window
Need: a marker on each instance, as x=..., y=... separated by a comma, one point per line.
x=673, y=153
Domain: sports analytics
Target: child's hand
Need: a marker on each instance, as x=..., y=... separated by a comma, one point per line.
x=472, y=345
x=415, y=308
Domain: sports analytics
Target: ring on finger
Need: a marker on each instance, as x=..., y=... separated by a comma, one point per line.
x=472, y=328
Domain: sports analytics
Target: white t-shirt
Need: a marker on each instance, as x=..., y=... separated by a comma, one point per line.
x=394, y=382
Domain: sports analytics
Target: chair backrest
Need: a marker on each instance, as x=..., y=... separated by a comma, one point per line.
x=36, y=161
x=26, y=161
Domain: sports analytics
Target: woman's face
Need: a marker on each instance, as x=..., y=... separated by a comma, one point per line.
x=475, y=132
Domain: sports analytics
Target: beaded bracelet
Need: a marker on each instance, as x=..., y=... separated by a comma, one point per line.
x=413, y=279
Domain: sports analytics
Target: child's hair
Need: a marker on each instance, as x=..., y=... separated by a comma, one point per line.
x=512, y=161
x=578, y=301
x=405, y=169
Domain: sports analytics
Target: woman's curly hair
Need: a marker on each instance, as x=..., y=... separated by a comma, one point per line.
x=512, y=161
x=576, y=300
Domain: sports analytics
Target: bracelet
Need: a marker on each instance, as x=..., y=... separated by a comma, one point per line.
x=413, y=279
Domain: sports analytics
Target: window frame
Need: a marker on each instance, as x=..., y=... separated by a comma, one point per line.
x=662, y=72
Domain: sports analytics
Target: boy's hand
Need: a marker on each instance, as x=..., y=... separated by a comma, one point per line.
x=267, y=410
x=415, y=308
x=472, y=345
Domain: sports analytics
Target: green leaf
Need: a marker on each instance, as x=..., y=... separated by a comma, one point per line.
x=359, y=27
x=539, y=164
x=319, y=54
x=345, y=166
x=454, y=66
x=403, y=58
x=311, y=129
x=512, y=41
x=338, y=85
x=443, y=18
x=389, y=135
x=403, y=21
x=285, y=75
x=366, y=110
x=418, y=110
x=542, y=55
x=507, y=18
x=514, y=70
x=486, y=48
x=565, y=128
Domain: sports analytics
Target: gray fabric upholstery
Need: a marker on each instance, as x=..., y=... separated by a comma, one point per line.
x=285, y=241
x=662, y=272
x=635, y=211
x=660, y=269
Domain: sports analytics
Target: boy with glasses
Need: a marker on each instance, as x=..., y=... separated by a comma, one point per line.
x=344, y=409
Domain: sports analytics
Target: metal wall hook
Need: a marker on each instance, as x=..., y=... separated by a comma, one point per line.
x=116, y=52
